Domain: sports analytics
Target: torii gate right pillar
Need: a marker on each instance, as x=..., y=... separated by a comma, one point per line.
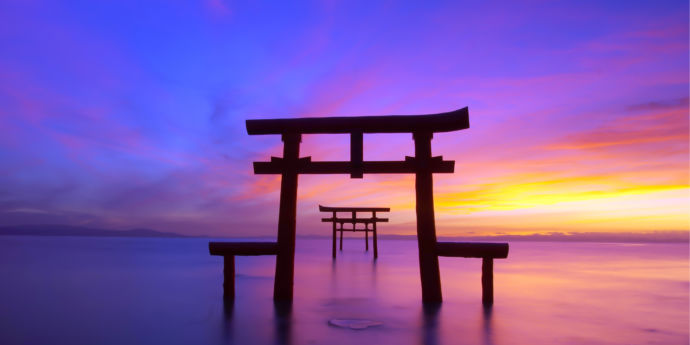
x=426, y=227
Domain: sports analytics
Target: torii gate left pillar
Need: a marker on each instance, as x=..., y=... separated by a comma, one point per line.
x=287, y=219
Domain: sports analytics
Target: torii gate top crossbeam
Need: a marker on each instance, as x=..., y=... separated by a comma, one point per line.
x=442, y=122
x=419, y=125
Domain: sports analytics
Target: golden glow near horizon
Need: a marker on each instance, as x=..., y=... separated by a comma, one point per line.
x=578, y=205
x=573, y=127
x=594, y=181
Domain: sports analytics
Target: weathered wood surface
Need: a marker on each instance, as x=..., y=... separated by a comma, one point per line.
x=353, y=209
x=357, y=155
x=354, y=230
x=486, y=251
x=426, y=228
x=229, y=250
x=243, y=248
x=441, y=122
x=472, y=249
x=354, y=220
x=229, y=277
x=376, y=244
x=287, y=220
x=306, y=166
x=487, y=281
x=335, y=231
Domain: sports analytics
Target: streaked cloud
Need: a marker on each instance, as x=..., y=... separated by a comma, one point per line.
x=124, y=115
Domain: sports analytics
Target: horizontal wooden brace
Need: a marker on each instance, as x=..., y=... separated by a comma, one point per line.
x=472, y=249
x=355, y=230
x=441, y=122
x=243, y=248
x=353, y=209
x=304, y=166
x=355, y=220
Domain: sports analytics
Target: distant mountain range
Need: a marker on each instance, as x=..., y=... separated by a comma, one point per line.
x=66, y=230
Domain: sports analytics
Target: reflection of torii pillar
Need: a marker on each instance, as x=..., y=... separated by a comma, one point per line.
x=423, y=165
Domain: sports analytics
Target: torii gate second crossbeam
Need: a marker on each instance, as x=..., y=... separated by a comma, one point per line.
x=423, y=165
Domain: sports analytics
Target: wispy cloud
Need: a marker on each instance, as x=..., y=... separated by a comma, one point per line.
x=678, y=103
x=140, y=123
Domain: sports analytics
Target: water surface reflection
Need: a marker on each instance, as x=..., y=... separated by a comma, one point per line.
x=169, y=291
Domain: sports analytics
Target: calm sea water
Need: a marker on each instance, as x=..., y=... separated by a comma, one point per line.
x=71, y=290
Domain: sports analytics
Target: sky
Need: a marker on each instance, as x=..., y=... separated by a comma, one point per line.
x=130, y=114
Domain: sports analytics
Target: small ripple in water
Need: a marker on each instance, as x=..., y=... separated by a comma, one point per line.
x=354, y=323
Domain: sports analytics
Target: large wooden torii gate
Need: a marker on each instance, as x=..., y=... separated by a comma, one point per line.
x=423, y=165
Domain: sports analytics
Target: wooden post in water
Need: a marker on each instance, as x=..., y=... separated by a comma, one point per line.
x=229, y=277
x=357, y=155
x=426, y=227
x=287, y=219
x=376, y=247
x=487, y=281
x=366, y=236
x=334, y=234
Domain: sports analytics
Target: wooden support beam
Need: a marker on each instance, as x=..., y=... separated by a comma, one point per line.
x=472, y=249
x=426, y=227
x=357, y=155
x=334, y=234
x=306, y=166
x=350, y=209
x=366, y=239
x=486, y=251
x=352, y=230
x=357, y=220
x=287, y=220
x=487, y=281
x=441, y=122
x=376, y=247
x=229, y=277
x=242, y=248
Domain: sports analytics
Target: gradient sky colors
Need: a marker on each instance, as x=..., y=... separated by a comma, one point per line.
x=125, y=114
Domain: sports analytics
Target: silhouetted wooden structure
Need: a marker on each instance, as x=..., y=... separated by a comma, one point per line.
x=486, y=251
x=228, y=250
x=338, y=223
x=423, y=165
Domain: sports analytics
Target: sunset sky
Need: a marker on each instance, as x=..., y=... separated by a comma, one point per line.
x=127, y=114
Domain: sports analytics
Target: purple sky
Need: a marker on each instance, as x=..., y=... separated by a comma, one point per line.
x=124, y=114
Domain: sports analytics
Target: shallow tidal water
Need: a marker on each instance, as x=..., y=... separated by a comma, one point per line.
x=78, y=290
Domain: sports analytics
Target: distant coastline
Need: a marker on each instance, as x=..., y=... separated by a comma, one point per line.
x=594, y=237
x=67, y=230
x=601, y=237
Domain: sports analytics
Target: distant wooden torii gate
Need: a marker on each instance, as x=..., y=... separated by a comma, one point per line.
x=423, y=165
x=368, y=222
